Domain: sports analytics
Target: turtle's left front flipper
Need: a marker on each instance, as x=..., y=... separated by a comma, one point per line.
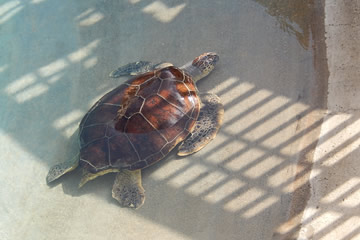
x=207, y=125
x=132, y=69
x=137, y=68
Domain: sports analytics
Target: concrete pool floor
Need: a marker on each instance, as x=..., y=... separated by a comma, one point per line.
x=283, y=164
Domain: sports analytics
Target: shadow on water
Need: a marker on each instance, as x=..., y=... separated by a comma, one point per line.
x=270, y=84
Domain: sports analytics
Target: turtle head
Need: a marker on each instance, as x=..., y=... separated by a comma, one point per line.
x=202, y=65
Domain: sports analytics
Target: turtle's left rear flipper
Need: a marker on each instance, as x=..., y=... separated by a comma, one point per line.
x=207, y=125
x=60, y=169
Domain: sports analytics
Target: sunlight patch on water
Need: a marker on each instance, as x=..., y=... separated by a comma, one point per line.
x=37, y=1
x=270, y=103
x=89, y=17
x=229, y=147
x=21, y=83
x=26, y=88
x=286, y=123
x=53, y=68
x=244, y=159
x=163, y=13
x=85, y=13
x=68, y=119
x=9, y=9
x=68, y=123
x=83, y=52
x=169, y=169
x=229, y=83
x=91, y=62
x=282, y=176
x=8, y=6
x=225, y=190
x=243, y=200
x=3, y=68
x=187, y=176
x=206, y=183
x=277, y=108
x=55, y=78
x=238, y=113
x=91, y=20
x=263, y=167
x=232, y=88
x=260, y=207
x=31, y=92
x=35, y=84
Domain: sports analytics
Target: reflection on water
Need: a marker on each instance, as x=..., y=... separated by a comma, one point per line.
x=293, y=16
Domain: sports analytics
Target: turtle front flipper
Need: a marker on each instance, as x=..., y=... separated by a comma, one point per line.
x=132, y=69
x=60, y=169
x=127, y=189
x=206, y=126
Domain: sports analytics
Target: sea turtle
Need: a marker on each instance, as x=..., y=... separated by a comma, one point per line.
x=141, y=121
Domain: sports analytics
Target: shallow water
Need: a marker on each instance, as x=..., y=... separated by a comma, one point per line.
x=55, y=61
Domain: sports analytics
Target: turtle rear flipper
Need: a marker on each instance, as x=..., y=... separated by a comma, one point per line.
x=60, y=169
x=127, y=189
x=132, y=69
x=206, y=126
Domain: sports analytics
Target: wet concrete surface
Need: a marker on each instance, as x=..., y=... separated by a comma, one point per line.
x=332, y=211
x=246, y=184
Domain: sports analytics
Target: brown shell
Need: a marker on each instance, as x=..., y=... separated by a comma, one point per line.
x=139, y=122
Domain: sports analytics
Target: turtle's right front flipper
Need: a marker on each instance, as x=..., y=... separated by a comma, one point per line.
x=206, y=126
x=132, y=69
x=60, y=169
